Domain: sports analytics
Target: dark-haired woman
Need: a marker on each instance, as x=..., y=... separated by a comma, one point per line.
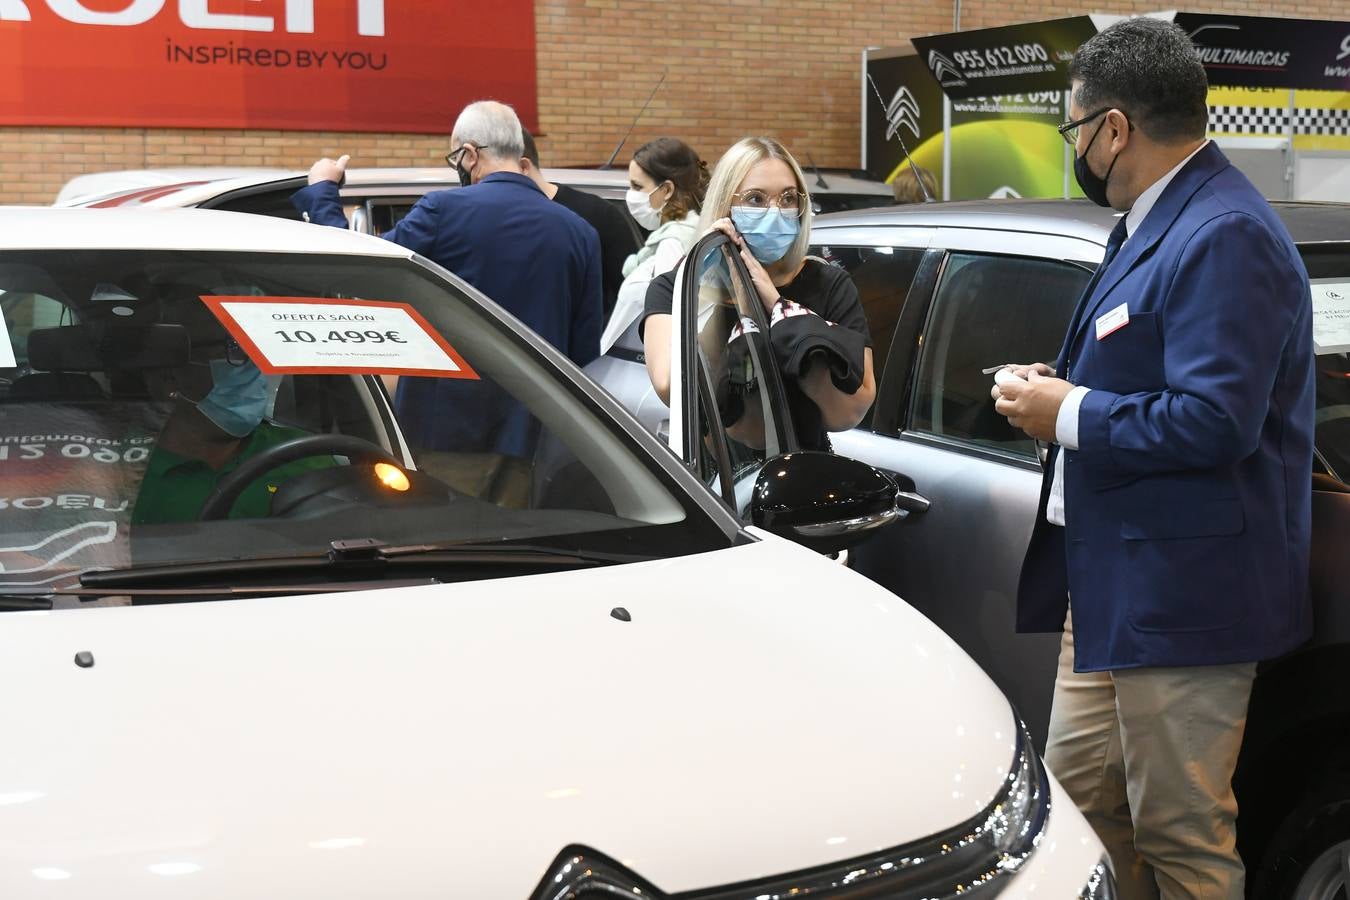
x=666, y=183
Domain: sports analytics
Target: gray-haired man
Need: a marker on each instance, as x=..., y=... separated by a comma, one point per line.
x=502, y=235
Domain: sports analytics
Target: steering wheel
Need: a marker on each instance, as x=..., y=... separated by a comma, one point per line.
x=227, y=491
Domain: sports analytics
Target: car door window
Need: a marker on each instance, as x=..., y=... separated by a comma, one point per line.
x=741, y=412
x=383, y=214
x=988, y=310
x=272, y=202
x=883, y=275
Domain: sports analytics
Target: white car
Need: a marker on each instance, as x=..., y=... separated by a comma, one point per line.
x=260, y=639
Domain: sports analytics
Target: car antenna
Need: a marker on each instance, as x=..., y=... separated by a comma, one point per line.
x=923, y=188
x=820, y=179
x=609, y=162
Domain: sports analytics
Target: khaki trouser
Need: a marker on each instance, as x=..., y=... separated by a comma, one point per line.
x=503, y=480
x=1148, y=756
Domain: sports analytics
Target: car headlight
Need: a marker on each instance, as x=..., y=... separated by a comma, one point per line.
x=1101, y=884
x=1014, y=826
x=976, y=854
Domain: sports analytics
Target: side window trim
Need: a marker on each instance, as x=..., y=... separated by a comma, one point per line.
x=974, y=451
x=721, y=456
x=902, y=357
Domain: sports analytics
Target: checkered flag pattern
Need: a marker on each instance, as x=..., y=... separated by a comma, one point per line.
x=1271, y=121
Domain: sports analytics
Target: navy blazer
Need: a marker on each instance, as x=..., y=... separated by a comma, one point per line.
x=1187, y=506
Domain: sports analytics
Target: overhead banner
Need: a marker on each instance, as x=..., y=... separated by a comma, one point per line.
x=1013, y=59
x=341, y=65
x=1250, y=51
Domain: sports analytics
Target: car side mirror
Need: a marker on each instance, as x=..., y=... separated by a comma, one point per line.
x=821, y=500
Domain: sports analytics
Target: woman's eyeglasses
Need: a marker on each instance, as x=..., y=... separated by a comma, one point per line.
x=756, y=203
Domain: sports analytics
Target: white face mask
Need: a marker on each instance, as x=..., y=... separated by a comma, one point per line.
x=640, y=205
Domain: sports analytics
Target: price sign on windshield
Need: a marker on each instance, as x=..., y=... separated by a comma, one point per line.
x=303, y=336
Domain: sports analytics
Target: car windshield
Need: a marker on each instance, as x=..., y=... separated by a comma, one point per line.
x=1329, y=269
x=159, y=407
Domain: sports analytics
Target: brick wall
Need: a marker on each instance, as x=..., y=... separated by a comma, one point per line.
x=784, y=67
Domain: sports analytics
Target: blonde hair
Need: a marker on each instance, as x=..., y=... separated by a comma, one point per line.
x=727, y=176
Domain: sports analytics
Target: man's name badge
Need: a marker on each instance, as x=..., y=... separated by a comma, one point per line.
x=1113, y=321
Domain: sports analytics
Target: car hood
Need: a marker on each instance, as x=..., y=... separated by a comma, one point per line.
x=765, y=710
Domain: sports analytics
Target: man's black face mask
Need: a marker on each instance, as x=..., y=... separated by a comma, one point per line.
x=1094, y=187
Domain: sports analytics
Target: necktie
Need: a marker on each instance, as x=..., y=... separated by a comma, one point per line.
x=1113, y=244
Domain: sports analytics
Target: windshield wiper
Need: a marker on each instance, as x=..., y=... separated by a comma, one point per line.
x=365, y=555
x=42, y=600
x=23, y=602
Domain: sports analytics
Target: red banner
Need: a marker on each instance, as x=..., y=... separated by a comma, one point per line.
x=335, y=65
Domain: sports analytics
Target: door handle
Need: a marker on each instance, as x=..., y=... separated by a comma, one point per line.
x=911, y=502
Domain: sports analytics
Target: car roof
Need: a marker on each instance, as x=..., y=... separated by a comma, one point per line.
x=192, y=187
x=49, y=228
x=1307, y=222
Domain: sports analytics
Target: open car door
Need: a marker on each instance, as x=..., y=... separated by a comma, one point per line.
x=731, y=424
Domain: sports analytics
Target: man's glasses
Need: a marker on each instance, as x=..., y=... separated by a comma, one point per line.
x=756, y=203
x=456, y=156
x=1069, y=130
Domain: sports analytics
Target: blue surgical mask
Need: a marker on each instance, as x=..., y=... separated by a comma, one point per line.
x=238, y=400
x=768, y=233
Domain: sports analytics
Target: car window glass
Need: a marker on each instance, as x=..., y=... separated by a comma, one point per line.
x=385, y=214
x=22, y=312
x=882, y=275
x=831, y=201
x=732, y=342
x=134, y=402
x=274, y=203
x=988, y=310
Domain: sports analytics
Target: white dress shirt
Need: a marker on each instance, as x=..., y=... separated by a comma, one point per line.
x=1066, y=423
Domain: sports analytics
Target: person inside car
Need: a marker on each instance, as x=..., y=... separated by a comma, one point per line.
x=217, y=422
x=818, y=332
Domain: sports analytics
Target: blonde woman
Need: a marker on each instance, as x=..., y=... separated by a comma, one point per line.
x=757, y=197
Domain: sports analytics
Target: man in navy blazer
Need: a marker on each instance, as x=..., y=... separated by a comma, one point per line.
x=536, y=258
x=1175, y=511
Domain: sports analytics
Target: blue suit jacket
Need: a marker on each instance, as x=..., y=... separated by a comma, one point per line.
x=1187, y=504
x=536, y=258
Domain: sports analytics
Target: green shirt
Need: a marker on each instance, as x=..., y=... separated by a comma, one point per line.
x=175, y=487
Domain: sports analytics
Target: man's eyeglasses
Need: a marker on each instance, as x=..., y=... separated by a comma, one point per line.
x=756, y=203
x=1069, y=130
x=456, y=156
